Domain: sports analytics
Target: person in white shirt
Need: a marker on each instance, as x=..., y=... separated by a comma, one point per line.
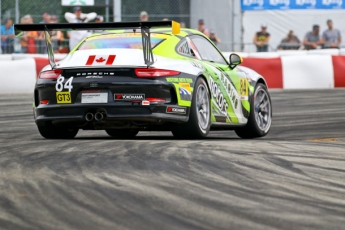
x=78, y=17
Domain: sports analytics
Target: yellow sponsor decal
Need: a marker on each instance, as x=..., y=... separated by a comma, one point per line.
x=63, y=97
x=243, y=87
x=176, y=79
x=186, y=86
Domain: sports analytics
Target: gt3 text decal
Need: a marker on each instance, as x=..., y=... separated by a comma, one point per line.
x=63, y=97
x=129, y=97
x=100, y=60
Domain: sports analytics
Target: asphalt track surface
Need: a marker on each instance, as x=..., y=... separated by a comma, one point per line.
x=292, y=179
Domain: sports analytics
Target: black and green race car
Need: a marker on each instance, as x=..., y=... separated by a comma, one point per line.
x=143, y=76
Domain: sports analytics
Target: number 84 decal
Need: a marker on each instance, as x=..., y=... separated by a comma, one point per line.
x=60, y=86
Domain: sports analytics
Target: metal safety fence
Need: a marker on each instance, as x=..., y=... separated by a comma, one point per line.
x=52, y=11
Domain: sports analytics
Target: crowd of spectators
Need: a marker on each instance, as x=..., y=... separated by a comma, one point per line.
x=330, y=39
x=34, y=42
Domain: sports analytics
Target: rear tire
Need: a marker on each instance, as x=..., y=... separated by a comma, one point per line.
x=49, y=131
x=199, y=123
x=122, y=133
x=260, y=117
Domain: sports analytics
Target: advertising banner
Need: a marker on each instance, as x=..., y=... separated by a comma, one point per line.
x=291, y=4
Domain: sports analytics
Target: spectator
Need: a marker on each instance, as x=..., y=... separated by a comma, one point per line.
x=261, y=39
x=42, y=49
x=182, y=24
x=312, y=39
x=56, y=36
x=99, y=19
x=144, y=17
x=46, y=18
x=291, y=42
x=331, y=38
x=78, y=17
x=202, y=29
x=28, y=41
x=165, y=19
x=214, y=37
x=7, y=37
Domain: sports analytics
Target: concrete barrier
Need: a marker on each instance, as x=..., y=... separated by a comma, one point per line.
x=17, y=76
x=285, y=70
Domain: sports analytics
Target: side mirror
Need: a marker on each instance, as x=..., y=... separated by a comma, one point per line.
x=235, y=60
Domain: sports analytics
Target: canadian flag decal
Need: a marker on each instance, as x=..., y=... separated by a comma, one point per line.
x=100, y=59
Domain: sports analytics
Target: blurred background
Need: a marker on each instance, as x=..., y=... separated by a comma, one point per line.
x=234, y=22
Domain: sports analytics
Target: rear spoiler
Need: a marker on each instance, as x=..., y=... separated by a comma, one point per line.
x=143, y=26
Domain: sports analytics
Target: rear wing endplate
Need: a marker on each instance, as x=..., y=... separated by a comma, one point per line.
x=143, y=26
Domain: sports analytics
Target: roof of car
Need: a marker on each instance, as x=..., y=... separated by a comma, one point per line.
x=183, y=33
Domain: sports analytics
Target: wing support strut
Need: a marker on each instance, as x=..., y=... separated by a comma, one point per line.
x=50, y=49
x=147, y=49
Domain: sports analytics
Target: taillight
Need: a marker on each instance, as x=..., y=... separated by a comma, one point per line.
x=50, y=74
x=151, y=72
x=44, y=102
x=158, y=100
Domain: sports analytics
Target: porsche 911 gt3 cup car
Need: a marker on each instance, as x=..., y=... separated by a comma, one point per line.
x=147, y=76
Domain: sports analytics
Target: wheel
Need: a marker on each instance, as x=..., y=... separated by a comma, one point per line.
x=50, y=131
x=260, y=117
x=198, y=125
x=122, y=133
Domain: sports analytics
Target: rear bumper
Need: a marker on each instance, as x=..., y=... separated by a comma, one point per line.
x=114, y=116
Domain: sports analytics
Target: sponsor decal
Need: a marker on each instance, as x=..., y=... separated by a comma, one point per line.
x=279, y=2
x=100, y=60
x=145, y=102
x=221, y=102
x=94, y=76
x=253, y=2
x=306, y=2
x=185, y=87
x=243, y=88
x=94, y=97
x=198, y=65
x=179, y=79
x=332, y=2
x=180, y=110
x=129, y=97
x=184, y=91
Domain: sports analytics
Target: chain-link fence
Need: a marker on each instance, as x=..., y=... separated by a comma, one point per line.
x=19, y=10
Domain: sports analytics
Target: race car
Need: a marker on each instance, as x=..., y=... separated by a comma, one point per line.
x=147, y=76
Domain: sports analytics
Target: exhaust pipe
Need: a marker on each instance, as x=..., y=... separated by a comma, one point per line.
x=99, y=116
x=89, y=117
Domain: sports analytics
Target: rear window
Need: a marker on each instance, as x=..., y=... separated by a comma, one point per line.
x=125, y=40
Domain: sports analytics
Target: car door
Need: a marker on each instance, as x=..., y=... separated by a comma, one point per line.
x=228, y=86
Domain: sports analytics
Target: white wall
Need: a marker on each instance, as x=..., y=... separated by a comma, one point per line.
x=219, y=15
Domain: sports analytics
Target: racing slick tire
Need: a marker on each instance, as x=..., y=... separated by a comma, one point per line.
x=260, y=117
x=49, y=131
x=199, y=123
x=122, y=133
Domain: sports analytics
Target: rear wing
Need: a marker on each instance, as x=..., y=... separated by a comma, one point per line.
x=143, y=26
